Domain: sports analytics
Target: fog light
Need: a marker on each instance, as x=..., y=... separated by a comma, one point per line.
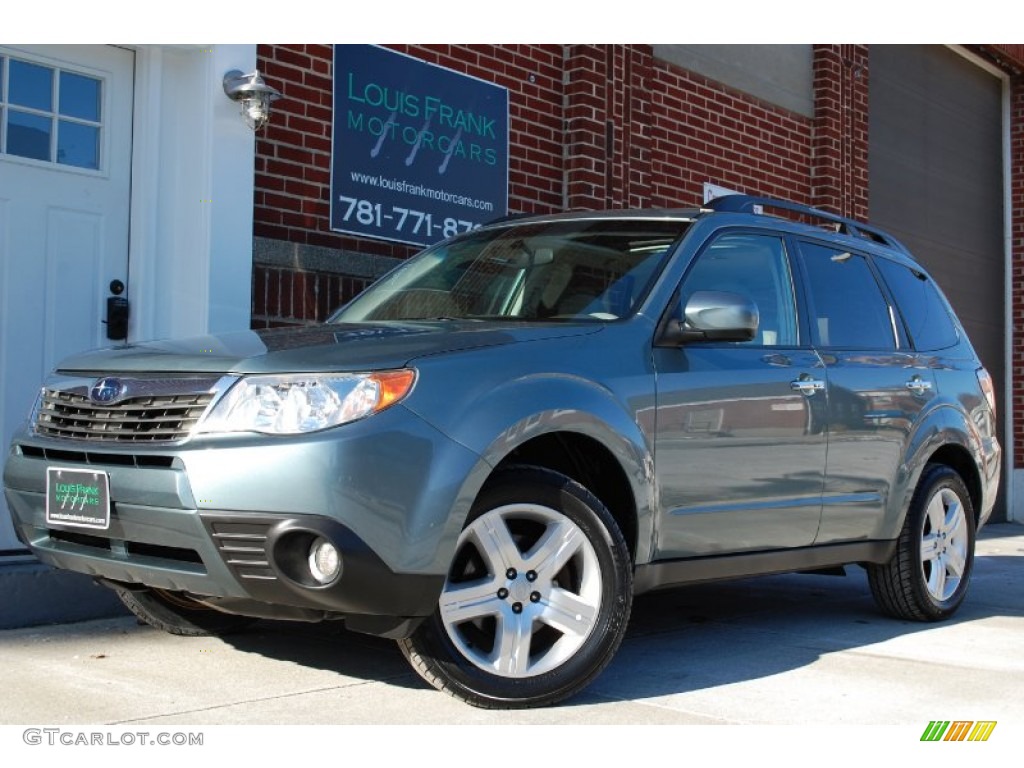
x=324, y=561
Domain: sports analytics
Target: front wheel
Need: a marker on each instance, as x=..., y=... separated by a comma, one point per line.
x=537, y=598
x=927, y=578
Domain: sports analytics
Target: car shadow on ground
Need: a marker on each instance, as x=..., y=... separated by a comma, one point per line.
x=706, y=636
x=689, y=638
x=328, y=646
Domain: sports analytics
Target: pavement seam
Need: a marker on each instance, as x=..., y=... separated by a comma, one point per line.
x=675, y=710
x=261, y=699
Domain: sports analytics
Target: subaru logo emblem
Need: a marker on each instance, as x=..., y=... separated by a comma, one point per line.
x=106, y=391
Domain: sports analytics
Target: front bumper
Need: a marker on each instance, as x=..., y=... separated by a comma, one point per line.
x=229, y=519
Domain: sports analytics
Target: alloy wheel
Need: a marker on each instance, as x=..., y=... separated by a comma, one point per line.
x=525, y=591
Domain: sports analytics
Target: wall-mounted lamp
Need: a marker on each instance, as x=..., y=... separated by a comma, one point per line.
x=253, y=93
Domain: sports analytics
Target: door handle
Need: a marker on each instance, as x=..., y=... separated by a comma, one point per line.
x=919, y=386
x=807, y=386
x=118, y=312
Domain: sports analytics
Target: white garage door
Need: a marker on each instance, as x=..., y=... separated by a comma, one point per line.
x=65, y=182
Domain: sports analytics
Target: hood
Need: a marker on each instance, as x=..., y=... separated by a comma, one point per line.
x=342, y=347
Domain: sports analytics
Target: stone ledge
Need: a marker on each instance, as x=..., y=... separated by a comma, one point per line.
x=35, y=594
x=316, y=258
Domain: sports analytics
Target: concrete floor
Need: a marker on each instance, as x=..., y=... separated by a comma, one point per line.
x=803, y=650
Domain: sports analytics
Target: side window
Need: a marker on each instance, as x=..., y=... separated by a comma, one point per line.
x=754, y=266
x=923, y=310
x=848, y=310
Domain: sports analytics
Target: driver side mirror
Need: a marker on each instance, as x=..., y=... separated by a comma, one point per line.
x=712, y=316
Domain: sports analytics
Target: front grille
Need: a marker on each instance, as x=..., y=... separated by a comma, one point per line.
x=153, y=412
x=145, y=460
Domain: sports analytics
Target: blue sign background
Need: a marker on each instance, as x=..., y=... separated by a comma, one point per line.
x=419, y=152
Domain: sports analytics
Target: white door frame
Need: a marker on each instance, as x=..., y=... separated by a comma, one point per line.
x=190, y=250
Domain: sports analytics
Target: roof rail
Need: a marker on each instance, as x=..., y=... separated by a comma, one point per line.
x=747, y=203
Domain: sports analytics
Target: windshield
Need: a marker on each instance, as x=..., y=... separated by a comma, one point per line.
x=598, y=269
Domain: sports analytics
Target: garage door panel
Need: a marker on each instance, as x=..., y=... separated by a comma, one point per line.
x=936, y=178
x=972, y=281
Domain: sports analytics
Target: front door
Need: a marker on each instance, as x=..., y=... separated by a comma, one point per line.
x=741, y=427
x=65, y=174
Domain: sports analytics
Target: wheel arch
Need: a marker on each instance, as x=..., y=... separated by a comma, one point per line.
x=568, y=424
x=945, y=437
x=590, y=463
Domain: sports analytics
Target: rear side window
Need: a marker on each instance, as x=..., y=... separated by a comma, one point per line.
x=848, y=310
x=923, y=310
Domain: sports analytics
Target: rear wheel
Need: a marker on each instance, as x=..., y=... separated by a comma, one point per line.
x=537, y=598
x=927, y=578
x=179, y=615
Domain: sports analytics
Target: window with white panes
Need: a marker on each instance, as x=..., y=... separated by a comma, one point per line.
x=50, y=114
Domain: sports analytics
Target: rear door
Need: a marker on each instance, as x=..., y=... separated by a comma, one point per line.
x=877, y=387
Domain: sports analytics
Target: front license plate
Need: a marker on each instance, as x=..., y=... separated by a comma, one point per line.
x=77, y=497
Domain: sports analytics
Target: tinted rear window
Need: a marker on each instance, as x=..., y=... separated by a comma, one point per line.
x=923, y=310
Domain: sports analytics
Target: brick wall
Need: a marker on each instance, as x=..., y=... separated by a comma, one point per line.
x=704, y=131
x=644, y=132
x=1011, y=55
x=285, y=296
x=607, y=112
x=839, y=175
x=1017, y=259
x=591, y=126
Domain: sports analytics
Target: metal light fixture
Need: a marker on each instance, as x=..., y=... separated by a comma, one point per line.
x=254, y=95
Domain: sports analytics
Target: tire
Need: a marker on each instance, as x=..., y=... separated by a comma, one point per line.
x=180, y=615
x=927, y=578
x=537, y=598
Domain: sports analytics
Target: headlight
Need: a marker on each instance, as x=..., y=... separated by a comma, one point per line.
x=297, y=403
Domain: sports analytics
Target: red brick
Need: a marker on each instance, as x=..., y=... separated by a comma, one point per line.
x=286, y=55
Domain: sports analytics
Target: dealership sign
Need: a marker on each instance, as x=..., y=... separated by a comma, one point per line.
x=419, y=152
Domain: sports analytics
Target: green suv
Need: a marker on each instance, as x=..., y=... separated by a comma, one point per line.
x=490, y=451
